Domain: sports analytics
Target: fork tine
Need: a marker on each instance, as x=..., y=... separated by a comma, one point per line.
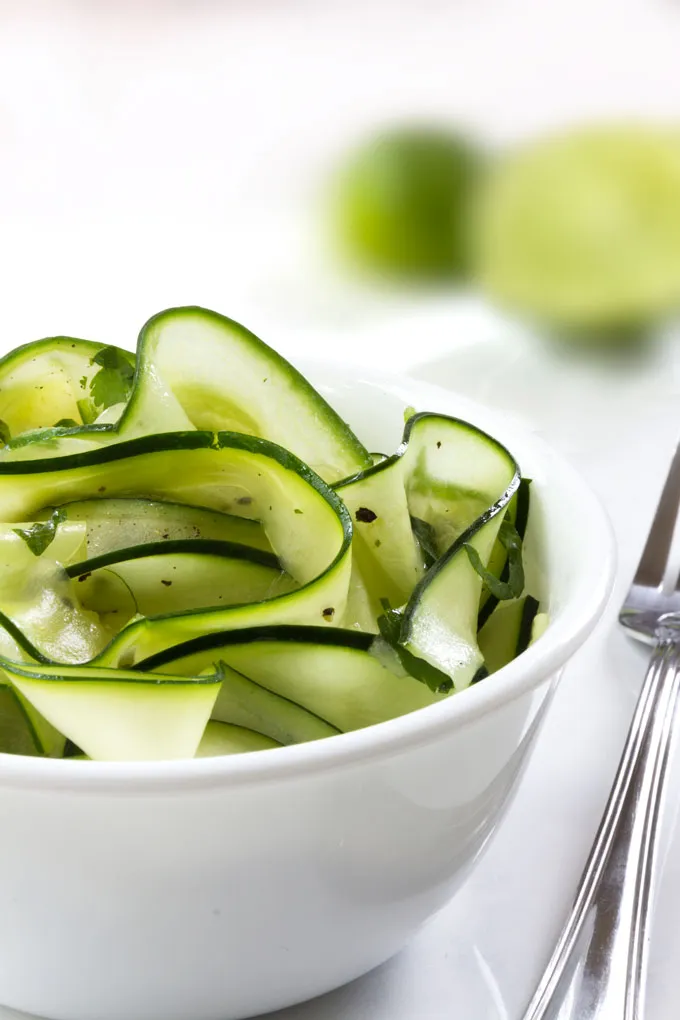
x=652, y=566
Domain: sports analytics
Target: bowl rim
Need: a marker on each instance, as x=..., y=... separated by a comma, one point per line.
x=383, y=740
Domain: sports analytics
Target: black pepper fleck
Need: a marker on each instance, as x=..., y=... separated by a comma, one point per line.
x=84, y=577
x=365, y=515
x=166, y=583
x=439, y=445
x=244, y=500
x=329, y=613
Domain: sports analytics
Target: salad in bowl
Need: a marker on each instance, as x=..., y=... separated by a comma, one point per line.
x=200, y=557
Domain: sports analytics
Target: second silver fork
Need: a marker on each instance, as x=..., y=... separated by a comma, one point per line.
x=598, y=968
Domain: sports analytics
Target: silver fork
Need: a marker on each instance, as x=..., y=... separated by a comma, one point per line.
x=598, y=968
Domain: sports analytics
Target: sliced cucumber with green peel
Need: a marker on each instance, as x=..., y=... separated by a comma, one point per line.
x=329, y=672
x=196, y=368
x=23, y=730
x=43, y=383
x=222, y=738
x=439, y=622
x=17, y=735
x=242, y=702
x=168, y=588
x=114, y=523
x=172, y=576
x=227, y=471
x=499, y=564
x=507, y=632
x=443, y=477
x=224, y=377
x=21, y=543
x=37, y=598
x=117, y=715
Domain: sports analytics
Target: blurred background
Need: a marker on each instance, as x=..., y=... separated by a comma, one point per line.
x=483, y=193
x=266, y=155
x=373, y=180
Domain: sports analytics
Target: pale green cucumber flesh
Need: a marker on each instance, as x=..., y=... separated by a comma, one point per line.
x=226, y=378
x=223, y=738
x=507, y=632
x=42, y=383
x=329, y=672
x=117, y=715
x=174, y=576
x=117, y=523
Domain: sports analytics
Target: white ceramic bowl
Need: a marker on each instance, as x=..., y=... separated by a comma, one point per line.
x=218, y=889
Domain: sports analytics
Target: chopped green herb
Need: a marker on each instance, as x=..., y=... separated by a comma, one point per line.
x=427, y=540
x=113, y=382
x=39, y=536
x=83, y=382
x=65, y=423
x=5, y=434
x=512, y=543
x=298, y=511
x=408, y=413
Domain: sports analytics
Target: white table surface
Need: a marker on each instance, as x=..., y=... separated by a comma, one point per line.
x=163, y=153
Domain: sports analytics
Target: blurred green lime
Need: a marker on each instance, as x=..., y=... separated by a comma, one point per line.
x=402, y=201
x=583, y=230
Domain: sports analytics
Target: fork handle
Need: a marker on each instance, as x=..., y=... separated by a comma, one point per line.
x=598, y=968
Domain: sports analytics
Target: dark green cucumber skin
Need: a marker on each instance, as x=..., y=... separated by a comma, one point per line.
x=265, y=726
x=184, y=441
x=325, y=636
x=327, y=413
x=10, y=626
x=442, y=561
x=440, y=564
x=49, y=342
x=170, y=547
x=36, y=348
x=529, y=613
x=384, y=465
x=300, y=381
x=162, y=442
x=521, y=521
x=183, y=512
